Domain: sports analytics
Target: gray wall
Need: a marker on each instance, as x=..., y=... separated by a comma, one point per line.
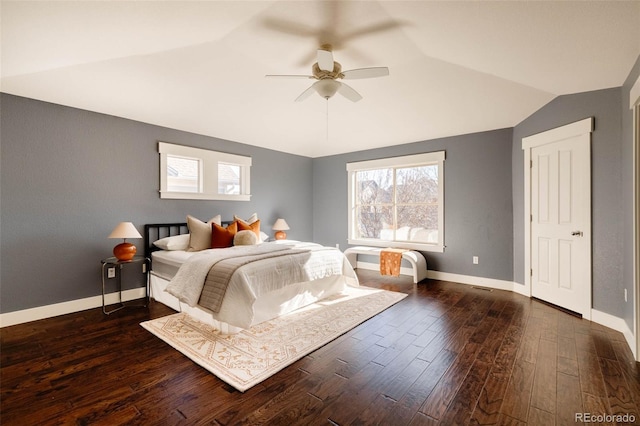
x=70, y=176
x=606, y=187
x=478, y=208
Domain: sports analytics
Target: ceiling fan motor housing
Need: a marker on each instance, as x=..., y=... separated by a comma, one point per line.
x=321, y=74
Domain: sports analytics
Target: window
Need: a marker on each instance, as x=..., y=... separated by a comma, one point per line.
x=228, y=179
x=201, y=174
x=183, y=174
x=398, y=201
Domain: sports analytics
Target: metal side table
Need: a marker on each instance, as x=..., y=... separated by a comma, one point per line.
x=113, y=262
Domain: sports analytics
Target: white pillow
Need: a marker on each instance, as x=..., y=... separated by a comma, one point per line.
x=200, y=232
x=251, y=219
x=245, y=238
x=263, y=237
x=176, y=242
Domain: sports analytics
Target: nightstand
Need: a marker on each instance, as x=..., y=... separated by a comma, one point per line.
x=113, y=262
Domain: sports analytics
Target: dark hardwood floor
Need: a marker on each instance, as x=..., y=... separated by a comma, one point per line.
x=447, y=354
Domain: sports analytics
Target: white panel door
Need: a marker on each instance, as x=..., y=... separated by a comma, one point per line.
x=560, y=223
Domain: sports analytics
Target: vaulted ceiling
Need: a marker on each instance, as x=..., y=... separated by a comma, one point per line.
x=455, y=67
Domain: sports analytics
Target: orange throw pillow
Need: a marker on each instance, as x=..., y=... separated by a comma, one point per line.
x=244, y=226
x=223, y=237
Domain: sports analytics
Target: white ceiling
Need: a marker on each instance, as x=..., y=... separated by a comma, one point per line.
x=455, y=67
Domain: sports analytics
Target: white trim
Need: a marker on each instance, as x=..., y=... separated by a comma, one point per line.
x=634, y=94
x=521, y=289
x=398, y=244
x=429, y=158
x=171, y=195
x=471, y=280
x=527, y=222
x=617, y=324
x=578, y=128
x=559, y=133
x=48, y=311
x=405, y=161
x=636, y=214
x=208, y=175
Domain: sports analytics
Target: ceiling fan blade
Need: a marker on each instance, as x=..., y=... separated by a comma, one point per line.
x=365, y=73
x=289, y=27
x=288, y=76
x=325, y=60
x=349, y=93
x=371, y=29
x=304, y=95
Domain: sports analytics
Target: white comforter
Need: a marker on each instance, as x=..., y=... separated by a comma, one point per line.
x=275, y=279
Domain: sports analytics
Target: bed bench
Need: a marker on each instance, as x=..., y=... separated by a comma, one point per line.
x=415, y=258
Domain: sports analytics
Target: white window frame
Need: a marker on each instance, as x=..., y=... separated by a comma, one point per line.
x=208, y=176
x=426, y=159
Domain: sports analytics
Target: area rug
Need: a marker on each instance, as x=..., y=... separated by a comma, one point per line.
x=251, y=356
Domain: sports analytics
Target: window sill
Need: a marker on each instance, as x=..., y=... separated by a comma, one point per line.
x=201, y=196
x=437, y=248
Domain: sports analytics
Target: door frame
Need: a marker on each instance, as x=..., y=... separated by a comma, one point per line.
x=634, y=105
x=578, y=128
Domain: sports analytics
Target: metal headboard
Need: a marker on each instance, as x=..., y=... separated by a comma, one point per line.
x=155, y=231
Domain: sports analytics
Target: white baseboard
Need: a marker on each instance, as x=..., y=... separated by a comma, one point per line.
x=475, y=281
x=617, y=324
x=599, y=317
x=456, y=278
x=48, y=311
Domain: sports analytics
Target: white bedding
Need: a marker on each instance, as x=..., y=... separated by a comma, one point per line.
x=261, y=290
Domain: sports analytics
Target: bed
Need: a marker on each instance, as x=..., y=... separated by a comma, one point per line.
x=270, y=279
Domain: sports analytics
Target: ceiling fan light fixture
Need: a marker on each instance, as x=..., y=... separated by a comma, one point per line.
x=327, y=87
x=327, y=76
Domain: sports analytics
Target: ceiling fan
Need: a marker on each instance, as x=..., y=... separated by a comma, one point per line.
x=327, y=72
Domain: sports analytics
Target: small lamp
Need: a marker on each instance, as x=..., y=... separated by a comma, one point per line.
x=125, y=250
x=280, y=226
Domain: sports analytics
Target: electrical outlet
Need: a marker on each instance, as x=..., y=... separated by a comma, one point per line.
x=111, y=272
x=475, y=260
x=625, y=294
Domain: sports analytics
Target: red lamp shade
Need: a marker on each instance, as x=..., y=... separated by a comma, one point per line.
x=125, y=250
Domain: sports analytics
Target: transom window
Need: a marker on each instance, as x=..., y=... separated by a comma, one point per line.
x=398, y=202
x=183, y=174
x=201, y=174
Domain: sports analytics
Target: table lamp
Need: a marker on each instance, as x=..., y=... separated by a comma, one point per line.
x=125, y=250
x=280, y=226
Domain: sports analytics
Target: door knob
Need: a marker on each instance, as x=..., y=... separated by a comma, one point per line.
x=577, y=233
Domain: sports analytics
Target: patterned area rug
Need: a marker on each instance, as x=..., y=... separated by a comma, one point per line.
x=251, y=356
